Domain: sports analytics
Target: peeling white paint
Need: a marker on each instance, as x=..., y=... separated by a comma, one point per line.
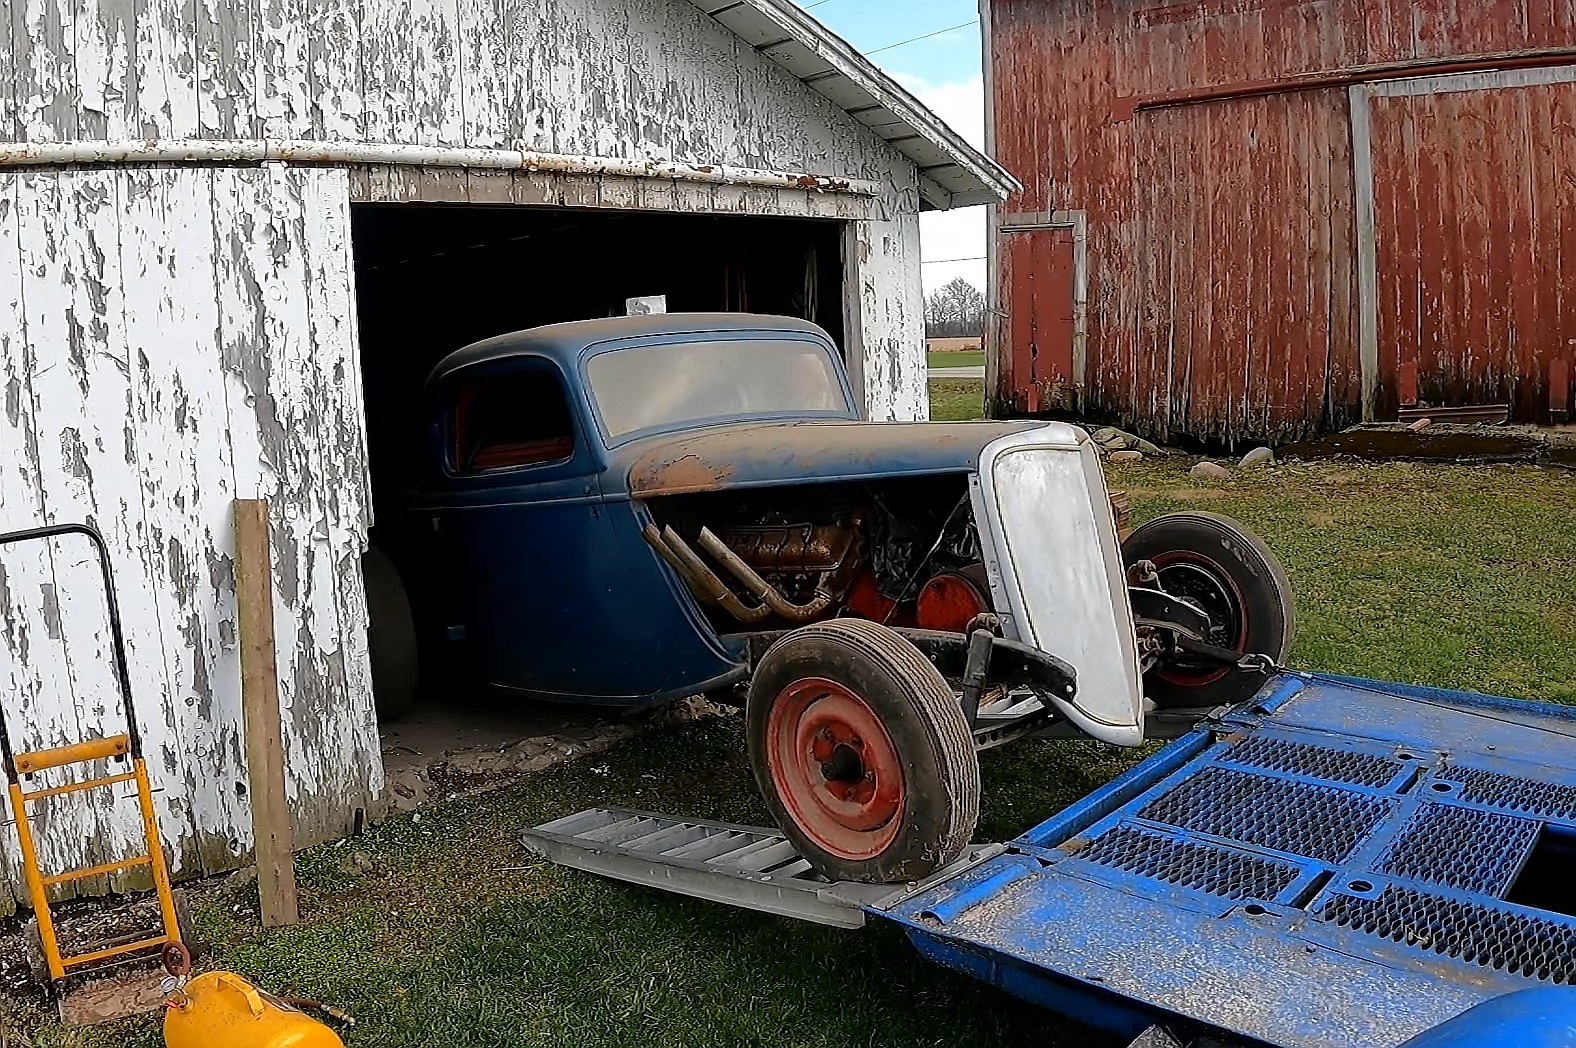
x=155, y=363
x=174, y=337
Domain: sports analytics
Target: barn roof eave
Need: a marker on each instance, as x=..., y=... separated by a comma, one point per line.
x=952, y=172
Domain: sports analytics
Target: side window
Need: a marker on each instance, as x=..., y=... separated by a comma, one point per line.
x=510, y=420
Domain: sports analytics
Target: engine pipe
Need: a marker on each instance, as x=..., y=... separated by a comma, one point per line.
x=763, y=590
x=698, y=576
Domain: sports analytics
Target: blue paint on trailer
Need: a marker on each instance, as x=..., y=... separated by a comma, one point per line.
x=1341, y=863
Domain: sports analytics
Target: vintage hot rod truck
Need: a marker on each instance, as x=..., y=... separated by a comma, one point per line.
x=632, y=510
x=626, y=511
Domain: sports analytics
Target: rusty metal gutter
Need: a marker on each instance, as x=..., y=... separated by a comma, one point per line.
x=293, y=151
x=1124, y=108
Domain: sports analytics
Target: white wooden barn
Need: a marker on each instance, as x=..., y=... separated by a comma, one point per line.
x=235, y=233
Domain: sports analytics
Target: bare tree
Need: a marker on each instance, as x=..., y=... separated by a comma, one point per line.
x=956, y=310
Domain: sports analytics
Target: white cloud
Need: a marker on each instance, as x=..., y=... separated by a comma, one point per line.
x=959, y=233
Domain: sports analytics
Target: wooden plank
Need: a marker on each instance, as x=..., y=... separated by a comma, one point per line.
x=25, y=645
x=342, y=735
x=1361, y=101
x=89, y=482
x=284, y=394
x=265, y=755
x=102, y=76
x=162, y=68
x=282, y=77
x=8, y=94
x=486, y=60
x=334, y=58
x=412, y=91
x=226, y=73
x=63, y=305
x=43, y=71
x=187, y=479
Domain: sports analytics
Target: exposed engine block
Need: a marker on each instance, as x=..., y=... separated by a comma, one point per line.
x=793, y=548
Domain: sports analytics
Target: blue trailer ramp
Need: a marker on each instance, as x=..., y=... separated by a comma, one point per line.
x=1339, y=863
x=1342, y=863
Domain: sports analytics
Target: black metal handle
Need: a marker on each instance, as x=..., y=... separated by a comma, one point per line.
x=122, y=672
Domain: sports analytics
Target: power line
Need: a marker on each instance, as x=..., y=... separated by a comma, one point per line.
x=917, y=39
x=941, y=261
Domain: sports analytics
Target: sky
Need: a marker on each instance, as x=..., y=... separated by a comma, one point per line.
x=944, y=73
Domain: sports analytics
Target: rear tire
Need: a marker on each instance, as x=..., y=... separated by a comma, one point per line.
x=1231, y=574
x=862, y=752
x=391, y=637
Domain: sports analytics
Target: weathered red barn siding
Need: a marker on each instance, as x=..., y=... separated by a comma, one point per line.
x=1228, y=283
x=1475, y=216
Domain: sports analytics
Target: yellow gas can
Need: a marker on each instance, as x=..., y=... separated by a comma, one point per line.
x=223, y=1010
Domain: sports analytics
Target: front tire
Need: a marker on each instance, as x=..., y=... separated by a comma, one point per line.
x=862, y=753
x=1228, y=572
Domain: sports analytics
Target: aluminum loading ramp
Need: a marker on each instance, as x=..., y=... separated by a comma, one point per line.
x=1339, y=863
x=746, y=866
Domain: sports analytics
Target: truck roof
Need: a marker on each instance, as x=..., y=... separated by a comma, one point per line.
x=566, y=343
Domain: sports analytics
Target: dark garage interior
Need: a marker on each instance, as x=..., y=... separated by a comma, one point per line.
x=431, y=279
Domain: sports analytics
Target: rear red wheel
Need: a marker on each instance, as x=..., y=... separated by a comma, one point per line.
x=862, y=752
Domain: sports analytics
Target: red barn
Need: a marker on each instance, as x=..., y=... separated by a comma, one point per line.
x=1256, y=219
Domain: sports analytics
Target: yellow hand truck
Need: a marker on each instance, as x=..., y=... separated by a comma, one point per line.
x=20, y=767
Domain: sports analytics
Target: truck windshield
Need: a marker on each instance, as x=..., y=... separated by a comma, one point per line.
x=660, y=386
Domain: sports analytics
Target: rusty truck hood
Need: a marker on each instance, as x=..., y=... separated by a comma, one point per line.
x=765, y=454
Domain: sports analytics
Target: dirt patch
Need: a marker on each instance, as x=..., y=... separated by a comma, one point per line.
x=1320, y=519
x=1435, y=444
x=125, y=988
x=442, y=754
x=953, y=345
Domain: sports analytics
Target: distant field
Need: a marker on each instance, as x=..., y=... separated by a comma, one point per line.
x=956, y=360
x=953, y=345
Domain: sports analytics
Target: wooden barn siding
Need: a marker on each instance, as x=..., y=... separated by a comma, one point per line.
x=171, y=339
x=1474, y=187
x=1222, y=254
x=623, y=78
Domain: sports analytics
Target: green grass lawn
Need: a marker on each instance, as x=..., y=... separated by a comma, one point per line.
x=444, y=932
x=957, y=360
x=956, y=401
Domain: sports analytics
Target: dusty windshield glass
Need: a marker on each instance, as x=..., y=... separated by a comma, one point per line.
x=651, y=386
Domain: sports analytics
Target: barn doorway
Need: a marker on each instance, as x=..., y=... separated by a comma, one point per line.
x=433, y=278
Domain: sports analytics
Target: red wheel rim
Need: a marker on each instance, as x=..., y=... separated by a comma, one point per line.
x=1183, y=678
x=834, y=767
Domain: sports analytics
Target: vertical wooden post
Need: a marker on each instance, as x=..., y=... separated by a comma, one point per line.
x=265, y=757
